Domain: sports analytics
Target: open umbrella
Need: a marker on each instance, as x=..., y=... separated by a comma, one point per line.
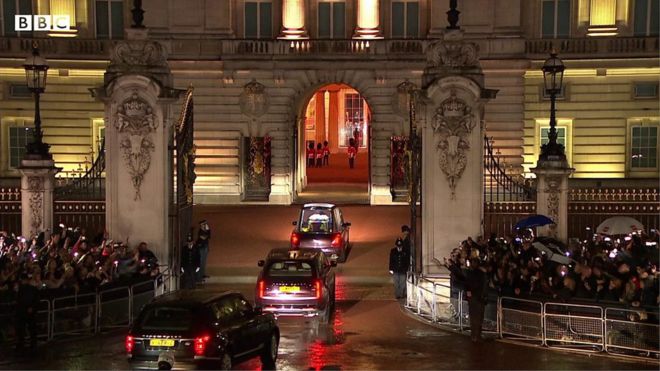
x=533, y=221
x=619, y=225
x=552, y=252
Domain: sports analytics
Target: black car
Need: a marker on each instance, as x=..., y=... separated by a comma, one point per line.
x=322, y=226
x=197, y=329
x=297, y=282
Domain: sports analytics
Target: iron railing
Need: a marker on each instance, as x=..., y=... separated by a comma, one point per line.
x=631, y=332
x=500, y=186
x=90, y=186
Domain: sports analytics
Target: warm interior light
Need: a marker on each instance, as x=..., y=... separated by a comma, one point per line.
x=602, y=13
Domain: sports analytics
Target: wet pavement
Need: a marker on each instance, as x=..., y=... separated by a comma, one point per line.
x=369, y=331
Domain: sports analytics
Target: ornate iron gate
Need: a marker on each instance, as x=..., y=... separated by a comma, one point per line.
x=184, y=175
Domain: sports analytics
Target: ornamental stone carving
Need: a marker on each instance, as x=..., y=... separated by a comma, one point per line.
x=400, y=98
x=453, y=124
x=553, y=190
x=134, y=53
x=135, y=123
x=254, y=100
x=453, y=53
x=36, y=190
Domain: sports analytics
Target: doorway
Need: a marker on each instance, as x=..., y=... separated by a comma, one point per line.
x=339, y=115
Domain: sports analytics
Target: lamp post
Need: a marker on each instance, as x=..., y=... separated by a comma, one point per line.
x=553, y=75
x=415, y=149
x=36, y=70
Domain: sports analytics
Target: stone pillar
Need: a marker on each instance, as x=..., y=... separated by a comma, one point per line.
x=451, y=107
x=552, y=196
x=293, y=20
x=137, y=94
x=368, y=20
x=37, y=185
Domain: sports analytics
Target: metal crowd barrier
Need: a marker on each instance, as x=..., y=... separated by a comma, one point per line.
x=114, y=308
x=577, y=327
x=629, y=330
x=75, y=314
x=521, y=319
x=85, y=313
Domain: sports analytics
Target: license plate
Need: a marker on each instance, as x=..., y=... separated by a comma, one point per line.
x=289, y=289
x=161, y=342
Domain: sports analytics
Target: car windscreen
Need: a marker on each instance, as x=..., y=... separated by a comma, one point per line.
x=167, y=318
x=290, y=268
x=315, y=220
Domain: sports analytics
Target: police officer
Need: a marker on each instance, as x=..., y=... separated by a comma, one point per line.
x=203, y=237
x=399, y=262
x=189, y=263
x=476, y=286
x=27, y=304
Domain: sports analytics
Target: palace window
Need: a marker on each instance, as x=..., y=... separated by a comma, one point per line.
x=561, y=135
x=645, y=90
x=18, y=138
x=564, y=137
x=9, y=9
x=258, y=19
x=644, y=147
x=646, y=17
x=405, y=19
x=332, y=19
x=109, y=15
x=555, y=18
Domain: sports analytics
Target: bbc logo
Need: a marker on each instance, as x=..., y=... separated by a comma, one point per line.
x=42, y=23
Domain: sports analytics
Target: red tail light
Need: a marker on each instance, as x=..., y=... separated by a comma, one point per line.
x=317, y=288
x=130, y=344
x=262, y=288
x=200, y=344
x=336, y=240
x=295, y=239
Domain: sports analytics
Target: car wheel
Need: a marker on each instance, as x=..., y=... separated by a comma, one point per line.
x=225, y=362
x=324, y=317
x=269, y=355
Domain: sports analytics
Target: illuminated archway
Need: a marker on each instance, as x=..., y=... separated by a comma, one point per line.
x=336, y=114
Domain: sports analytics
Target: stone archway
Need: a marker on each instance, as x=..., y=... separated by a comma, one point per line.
x=332, y=112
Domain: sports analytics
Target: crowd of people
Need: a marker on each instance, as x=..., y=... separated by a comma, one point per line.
x=66, y=261
x=600, y=268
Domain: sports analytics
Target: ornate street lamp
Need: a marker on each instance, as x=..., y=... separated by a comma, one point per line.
x=553, y=75
x=36, y=70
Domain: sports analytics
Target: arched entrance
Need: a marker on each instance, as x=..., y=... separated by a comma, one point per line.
x=339, y=115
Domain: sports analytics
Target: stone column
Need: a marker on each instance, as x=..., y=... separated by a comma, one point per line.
x=368, y=20
x=137, y=96
x=293, y=20
x=37, y=185
x=452, y=148
x=552, y=196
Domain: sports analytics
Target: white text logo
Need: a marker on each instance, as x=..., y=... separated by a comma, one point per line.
x=42, y=23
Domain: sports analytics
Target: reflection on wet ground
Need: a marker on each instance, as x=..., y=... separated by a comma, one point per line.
x=368, y=331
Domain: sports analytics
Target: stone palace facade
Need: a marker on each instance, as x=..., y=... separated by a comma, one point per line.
x=255, y=64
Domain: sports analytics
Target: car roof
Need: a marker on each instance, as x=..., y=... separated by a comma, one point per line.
x=286, y=254
x=189, y=298
x=322, y=205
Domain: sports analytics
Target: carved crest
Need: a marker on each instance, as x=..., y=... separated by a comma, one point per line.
x=453, y=124
x=254, y=100
x=36, y=188
x=453, y=54
x=138, y=53
x=135, y=122
x=553, y=185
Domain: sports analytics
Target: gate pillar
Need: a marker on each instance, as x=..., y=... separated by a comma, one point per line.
x=451, y=106
x=137, y=93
